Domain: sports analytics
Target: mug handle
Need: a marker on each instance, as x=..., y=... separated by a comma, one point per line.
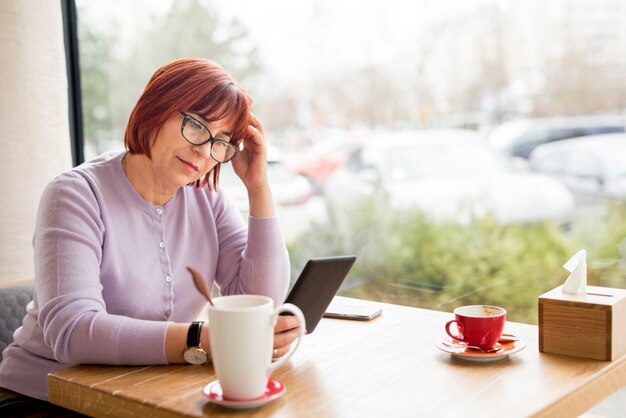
x=293, y=309
x=456, y=337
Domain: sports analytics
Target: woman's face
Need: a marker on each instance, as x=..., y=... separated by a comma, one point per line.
x=175, y=161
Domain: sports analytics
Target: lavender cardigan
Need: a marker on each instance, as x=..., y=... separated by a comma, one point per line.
x=110, y=271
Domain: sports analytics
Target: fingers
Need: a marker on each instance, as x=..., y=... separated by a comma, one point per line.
x=279, y=352
x=255, y=138
x=256, y=123
x=285, y=323
x=286, y=332
x=285, y=338
x=256, y=132
x=282, y=342
x=251, y=164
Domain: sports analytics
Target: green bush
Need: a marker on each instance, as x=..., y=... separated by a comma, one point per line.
x=605, y=241
x=440, y=265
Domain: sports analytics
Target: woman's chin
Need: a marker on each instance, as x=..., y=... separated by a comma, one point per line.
x=181, y=180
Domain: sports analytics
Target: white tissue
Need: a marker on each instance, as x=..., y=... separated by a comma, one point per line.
x=576, y=283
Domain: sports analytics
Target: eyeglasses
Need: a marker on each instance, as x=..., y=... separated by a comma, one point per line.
x=196, y=133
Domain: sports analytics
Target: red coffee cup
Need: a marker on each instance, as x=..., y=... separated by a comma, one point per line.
x=478, y=325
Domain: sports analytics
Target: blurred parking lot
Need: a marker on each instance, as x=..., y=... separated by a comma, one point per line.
x=452, y=174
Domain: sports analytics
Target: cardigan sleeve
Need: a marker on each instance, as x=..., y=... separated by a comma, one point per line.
x=253, y=260
x=68, y=245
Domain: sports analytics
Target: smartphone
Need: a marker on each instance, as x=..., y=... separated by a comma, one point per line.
x=317, y=285
x=355, y=312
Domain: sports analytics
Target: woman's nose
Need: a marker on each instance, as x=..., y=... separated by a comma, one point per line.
x=203, y=150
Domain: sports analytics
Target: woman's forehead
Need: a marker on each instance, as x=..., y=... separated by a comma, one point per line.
x=227, y=115
x=224, y=125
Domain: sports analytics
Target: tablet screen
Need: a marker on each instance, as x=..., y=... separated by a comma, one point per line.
x=317, y=285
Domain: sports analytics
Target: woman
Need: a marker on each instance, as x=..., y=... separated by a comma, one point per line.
x=114, y=236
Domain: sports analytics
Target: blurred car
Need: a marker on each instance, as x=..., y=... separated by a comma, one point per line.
x=288, y=188
x=518, y=138
x=322, y=160
x=448, y=175
x=592, y=167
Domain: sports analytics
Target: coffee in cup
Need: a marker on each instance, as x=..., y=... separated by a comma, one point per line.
x=241, y=332
x=478, y=325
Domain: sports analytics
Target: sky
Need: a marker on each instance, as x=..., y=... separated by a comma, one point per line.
x=305, y=39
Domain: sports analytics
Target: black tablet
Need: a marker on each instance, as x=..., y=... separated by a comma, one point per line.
x=317, y=285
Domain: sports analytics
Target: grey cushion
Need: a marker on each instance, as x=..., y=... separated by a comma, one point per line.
x=13, y=301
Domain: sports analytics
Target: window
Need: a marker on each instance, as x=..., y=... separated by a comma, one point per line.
x=330, y=78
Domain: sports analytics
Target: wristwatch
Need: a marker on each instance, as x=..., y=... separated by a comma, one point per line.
x=194, y=353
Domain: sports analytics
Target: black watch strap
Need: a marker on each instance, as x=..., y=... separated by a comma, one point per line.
x=193, y=335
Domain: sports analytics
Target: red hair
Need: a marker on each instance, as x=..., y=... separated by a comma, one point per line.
x=194, y=85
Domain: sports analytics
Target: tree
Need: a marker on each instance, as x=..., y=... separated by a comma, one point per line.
x=193, y=29
x=190, y=29
x=575, y=84
x=95, y=83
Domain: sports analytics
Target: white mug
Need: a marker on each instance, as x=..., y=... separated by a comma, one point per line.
x=241, y=331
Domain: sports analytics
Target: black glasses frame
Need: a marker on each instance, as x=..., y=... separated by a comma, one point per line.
x=211, y=139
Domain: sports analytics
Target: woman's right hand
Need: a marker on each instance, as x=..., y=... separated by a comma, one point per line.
x=251, y=166
x=251, y=163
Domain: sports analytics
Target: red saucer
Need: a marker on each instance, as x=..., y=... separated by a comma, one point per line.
x=213, y=391
x=458, y=349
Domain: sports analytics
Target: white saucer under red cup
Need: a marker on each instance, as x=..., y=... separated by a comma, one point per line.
x=213, y=391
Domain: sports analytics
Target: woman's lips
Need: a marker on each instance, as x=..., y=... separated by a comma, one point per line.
x=190, y=166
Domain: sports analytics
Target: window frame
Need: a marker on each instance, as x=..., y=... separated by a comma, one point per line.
x=74, y=93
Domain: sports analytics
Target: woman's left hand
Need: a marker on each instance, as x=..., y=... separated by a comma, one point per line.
x=285, y=332
x=251, y=163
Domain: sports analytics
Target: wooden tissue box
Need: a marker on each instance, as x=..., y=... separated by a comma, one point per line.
x=591, y=325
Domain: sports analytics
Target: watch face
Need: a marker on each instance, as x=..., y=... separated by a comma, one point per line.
x=195, y=355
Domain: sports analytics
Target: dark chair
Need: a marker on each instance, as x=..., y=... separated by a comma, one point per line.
x=13, y=301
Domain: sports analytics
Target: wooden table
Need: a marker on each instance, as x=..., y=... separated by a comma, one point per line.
x=388, y=367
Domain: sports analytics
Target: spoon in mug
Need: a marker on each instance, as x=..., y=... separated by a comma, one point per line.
x=200, y=284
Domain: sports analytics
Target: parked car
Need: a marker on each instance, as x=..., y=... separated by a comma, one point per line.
x=323, y=159
x=518, y=138
x=447, y=174
x=288, y=188
x=592, y=167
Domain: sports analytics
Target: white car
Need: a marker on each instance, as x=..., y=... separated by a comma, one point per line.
x=518, y=138
x=288, y=188
x=592, y=167
x=446, y=174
